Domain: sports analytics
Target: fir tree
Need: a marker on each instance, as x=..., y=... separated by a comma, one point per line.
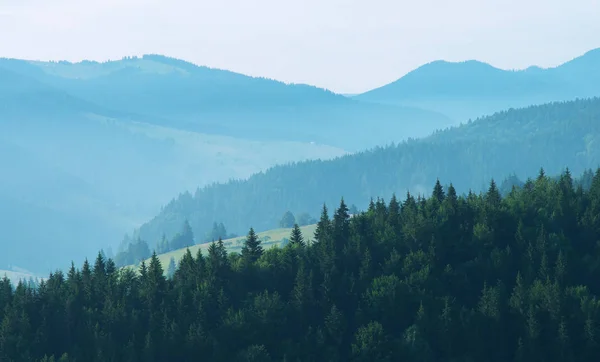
x=438, y=191
x=323, y=226
x=252, y=250
x=296, y=237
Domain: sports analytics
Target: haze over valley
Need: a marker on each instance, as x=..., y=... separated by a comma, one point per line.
x=101, y=147
x=306, y=181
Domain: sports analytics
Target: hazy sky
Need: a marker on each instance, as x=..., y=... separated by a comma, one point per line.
x=345, y=45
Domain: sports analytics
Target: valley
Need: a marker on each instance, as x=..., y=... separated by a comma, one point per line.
x=269, y=181
x=103, y=147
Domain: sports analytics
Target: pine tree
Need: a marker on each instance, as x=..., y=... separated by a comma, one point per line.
x=394, y=211
x=216, y=261
x=541, y=174
x=252, y=250
x=493, y=195
x=438, y=191
x=296, y=237
x=341, y=226
x=100, y=266
x=323, y=226
x=371, y=205
x=156, y=281
x=452, y=194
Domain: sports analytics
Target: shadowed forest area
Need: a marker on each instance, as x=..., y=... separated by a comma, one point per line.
x=479, y=277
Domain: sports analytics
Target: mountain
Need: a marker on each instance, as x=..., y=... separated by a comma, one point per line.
x=173, y=93
x=25, y=97
x=517, y=141
x=470, y=89
x=84, y=173
x=85, y=185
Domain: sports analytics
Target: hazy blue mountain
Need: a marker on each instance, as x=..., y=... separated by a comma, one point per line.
x=515, y=142
x=77, y=175
x=174, y=93
x=93, y=149
x=471, y=89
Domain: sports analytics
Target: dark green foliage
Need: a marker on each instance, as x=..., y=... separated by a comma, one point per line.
x=251, y=250
x=296, y=237
x=469, y=278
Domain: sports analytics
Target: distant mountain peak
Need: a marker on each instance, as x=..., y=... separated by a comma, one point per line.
x=471, y=88
x=176, y=62
x=593, y=52
x=445, y=65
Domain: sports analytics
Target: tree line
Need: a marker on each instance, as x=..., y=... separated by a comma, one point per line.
x=474, y=277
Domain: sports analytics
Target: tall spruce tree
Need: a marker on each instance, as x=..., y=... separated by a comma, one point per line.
x=296, y=237
x=252, y=249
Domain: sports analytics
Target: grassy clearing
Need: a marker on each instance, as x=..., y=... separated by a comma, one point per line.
x=270, y=238
x=15, y=276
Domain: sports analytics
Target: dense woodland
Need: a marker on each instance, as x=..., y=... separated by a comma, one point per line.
x=131, y=252
x=479, y=277
x=518, y=141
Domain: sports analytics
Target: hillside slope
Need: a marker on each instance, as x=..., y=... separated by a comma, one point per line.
x=471, y=89
x=552, y=136
x=173, y=93
x=447, y=278
x=84, y=174
x=269, y=239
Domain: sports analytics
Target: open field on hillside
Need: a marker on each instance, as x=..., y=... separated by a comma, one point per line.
x=269, y=238
x=15, y=276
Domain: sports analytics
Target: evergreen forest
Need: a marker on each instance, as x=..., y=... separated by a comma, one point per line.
x=485, y=276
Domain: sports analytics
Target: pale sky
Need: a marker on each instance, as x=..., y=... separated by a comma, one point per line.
x=348, y=46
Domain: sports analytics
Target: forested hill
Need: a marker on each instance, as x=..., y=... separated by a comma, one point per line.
x=448, y=278
x=552, y=136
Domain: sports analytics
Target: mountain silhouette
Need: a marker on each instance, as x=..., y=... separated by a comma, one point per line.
x=471, y=89
x=174, y=93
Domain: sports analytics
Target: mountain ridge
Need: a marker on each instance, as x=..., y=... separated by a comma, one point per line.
x=470, y=89
x=201, y=99
x=552, y=136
